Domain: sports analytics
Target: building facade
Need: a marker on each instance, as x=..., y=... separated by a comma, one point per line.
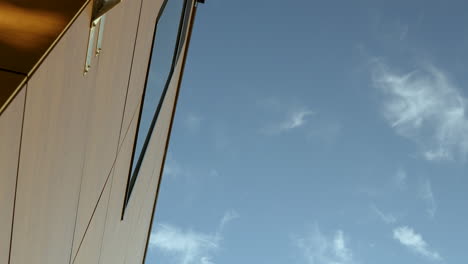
x=87, y=99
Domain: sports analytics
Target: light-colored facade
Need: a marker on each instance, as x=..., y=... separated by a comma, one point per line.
x=67, y=138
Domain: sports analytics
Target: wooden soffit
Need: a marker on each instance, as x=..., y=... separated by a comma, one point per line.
x=28, y=31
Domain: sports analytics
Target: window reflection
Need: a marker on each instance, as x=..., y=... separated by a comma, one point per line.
x=159, y=74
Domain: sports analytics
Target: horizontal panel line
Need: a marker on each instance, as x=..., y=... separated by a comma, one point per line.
x=12, y=71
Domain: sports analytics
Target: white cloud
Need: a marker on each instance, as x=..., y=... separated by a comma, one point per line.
x=426, y=107
x=400, y=178
x=189, y=247
x=206, y=260
x=186, y=246
x=339, y=247
x=425, y=192
x=415, y=242
x=320, y=249
x=386, y=218
x=228, y=217
x=295, y=119
x=404, y=31
x=193, y=122
x=288, y=115
x=172, y=168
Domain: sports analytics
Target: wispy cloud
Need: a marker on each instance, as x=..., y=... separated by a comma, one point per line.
x=189, y=247
x=415, y=242
x=186, y=246
x=193, y=122
x=320, y=249
x=425, y=193
x=404, y=31
x=172, y=168
x=206, y=260
x=285, y=115
x=295, y=119
x=386, y=218
x=400, y=178
x=228, y=217
x=426, y=107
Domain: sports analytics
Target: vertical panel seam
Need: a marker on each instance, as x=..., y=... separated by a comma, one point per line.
x=17, y=172
x=113, y=164
x=99, y=199
x=140, y=108
x=118, y=148
x=110, y=191
x=187, y=45
x=100, y=195
x=128, y=86
x=141, y=208
x=88, y=121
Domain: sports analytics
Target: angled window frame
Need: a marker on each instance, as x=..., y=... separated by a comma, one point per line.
x=187, y=7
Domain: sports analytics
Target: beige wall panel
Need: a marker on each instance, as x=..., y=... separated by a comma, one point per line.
x=140, y=222
x=142, y=209
x=124, y=241
x=90, y=249
x=149, y=13
x=113, y=70
x=115, y=231
x=52, y=151
x=10, y=134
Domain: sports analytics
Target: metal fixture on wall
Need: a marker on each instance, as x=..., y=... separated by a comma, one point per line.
x=100, y=9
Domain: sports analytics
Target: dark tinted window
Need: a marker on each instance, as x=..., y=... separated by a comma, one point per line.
x=165, y=47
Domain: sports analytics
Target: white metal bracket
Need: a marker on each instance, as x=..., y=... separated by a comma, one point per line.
x=100, y=9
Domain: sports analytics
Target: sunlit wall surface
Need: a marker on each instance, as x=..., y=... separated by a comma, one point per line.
x=162, y=62
x=67, y=130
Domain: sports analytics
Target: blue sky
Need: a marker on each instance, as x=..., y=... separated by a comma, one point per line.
x=331, y=132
